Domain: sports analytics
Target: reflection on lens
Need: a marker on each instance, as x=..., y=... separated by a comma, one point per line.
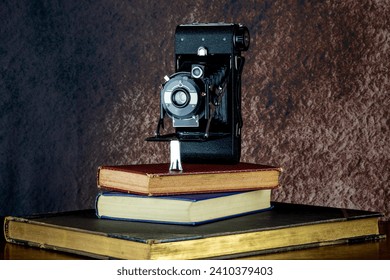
x=180, y=98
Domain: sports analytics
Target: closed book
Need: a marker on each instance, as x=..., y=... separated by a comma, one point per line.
x=285, y=227
x=156, y=179
x=181, y=209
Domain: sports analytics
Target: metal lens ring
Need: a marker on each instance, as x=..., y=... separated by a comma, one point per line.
x=180, y=97
x=197, y=72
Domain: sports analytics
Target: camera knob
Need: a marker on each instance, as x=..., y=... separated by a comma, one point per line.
x=202, y=51
x=242, y=38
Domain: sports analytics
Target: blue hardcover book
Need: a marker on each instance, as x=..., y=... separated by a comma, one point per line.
x=181, y=209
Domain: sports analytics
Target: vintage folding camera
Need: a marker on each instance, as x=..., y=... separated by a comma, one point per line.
x=203, y=96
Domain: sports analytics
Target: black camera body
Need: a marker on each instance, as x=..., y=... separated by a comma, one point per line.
x=203, y=96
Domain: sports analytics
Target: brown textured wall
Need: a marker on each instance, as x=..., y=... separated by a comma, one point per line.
x=79, y=88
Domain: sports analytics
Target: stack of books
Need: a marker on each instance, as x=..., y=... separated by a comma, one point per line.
x=208, y=211
x=202, y=193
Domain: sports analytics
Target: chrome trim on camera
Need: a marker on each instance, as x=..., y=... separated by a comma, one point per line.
x=202, y=51
x=175, y=165
x=191, y=122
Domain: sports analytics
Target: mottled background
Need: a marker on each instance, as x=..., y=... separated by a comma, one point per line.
x=79, y=85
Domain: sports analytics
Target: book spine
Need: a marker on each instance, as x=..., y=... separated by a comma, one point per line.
x=7, y=235
x=6, y=229
x=98, y=176
x=96, y=205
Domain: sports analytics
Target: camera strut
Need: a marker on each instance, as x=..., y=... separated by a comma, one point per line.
x=175, y=165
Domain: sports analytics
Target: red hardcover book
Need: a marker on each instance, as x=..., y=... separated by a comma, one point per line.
x=155, y=179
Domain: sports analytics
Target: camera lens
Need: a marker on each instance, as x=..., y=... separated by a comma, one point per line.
x=197, y=72
x=180, y=98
